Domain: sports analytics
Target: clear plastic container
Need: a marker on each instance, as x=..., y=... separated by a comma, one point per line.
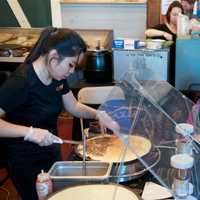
x=183, y=145
x=182, y=163
x=183, y=26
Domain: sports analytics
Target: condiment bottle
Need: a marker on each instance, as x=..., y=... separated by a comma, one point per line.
x=43, y=185
x=182, y=163
x=183, y=146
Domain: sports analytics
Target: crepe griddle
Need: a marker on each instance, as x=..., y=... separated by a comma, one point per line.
x=132, y=169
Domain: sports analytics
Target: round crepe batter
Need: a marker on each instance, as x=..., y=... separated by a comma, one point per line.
x=95, y=192
x=109, y=148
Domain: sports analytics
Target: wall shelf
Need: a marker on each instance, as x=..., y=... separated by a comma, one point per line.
x=103, y=1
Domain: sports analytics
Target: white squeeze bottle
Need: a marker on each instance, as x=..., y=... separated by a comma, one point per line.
x=43, y=185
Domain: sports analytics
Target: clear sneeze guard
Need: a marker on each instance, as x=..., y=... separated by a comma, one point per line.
x=149, y=110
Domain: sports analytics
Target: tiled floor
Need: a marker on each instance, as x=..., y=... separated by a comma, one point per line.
x=8, y=191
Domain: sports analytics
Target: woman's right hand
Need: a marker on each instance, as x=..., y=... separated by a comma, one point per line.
x=41, y=136
x=168, y=36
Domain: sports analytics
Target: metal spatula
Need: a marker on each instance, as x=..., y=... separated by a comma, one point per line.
x=71, y=142
x=61, y=141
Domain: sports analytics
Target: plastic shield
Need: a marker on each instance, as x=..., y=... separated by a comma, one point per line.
x=146, y=107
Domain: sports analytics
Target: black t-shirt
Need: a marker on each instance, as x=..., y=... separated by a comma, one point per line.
x=163, y=27
x=27, y=101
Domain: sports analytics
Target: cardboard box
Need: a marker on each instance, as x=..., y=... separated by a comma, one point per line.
x=125, y=43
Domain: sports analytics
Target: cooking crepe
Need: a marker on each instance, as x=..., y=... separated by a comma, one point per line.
x=95, y=192
x=109, y=148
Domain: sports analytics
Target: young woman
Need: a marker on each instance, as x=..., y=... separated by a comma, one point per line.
x=188, y=7
x=167, y=31
x=30, y=102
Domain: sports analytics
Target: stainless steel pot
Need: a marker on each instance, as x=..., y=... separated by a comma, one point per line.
x=98, y=66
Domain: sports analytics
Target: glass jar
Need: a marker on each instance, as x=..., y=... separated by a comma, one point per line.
x=183, y=144
x=182, y=164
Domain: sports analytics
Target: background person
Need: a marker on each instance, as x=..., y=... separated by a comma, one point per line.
x=167, y=31
x=188, y=7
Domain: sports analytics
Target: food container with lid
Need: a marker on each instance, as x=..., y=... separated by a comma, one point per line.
x=155, y=44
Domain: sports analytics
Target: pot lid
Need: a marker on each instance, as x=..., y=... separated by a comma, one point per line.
x=97, y=48
x=102, y=49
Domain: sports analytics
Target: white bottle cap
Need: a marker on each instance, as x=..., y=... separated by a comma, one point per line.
x=184, y=129
x=182, y=161
x=43, y=176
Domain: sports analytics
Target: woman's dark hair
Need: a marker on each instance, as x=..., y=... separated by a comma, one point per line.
x=171, y=6
x=191, y=2
x=66, y=41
